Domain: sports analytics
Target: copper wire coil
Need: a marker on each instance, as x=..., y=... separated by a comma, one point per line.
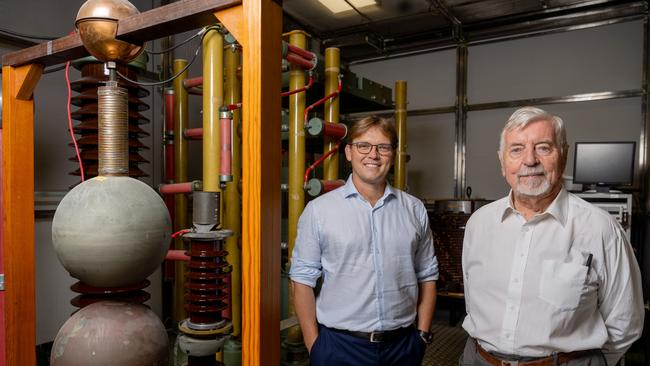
x=93, y=155
x=93, y=110
x=91, y=170
x=93, y=140
x=89, y=126
x=89, y=97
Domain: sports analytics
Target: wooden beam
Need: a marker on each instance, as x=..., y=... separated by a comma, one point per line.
x=233, y=20
x=261, y=197
x=174, y=18
x=18, y=207
x=160, y=22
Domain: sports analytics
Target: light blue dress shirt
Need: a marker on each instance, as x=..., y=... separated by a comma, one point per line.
x=371, y=258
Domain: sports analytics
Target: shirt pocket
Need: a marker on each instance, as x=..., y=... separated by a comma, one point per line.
x=561, y=284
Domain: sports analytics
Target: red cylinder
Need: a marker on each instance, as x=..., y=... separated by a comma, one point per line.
x=176, y=188
x=193, y=133
x=300, y=52
x=192, y=82
x=177, y=255
x=335, y=131
x=297, y=60
x=330, y=185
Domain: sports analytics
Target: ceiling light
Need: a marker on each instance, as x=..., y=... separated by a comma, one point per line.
x=339, y=6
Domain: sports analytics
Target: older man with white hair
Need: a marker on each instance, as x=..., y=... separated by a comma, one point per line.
x=549, y=278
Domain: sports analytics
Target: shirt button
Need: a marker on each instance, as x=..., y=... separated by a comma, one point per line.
x=525, y=229
x=516, y=280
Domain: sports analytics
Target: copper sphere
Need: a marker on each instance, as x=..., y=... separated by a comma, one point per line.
x=111, y=333
x=97, y=25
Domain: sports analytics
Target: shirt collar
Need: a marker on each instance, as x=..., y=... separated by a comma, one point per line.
x=349, y=189
x=557, y=209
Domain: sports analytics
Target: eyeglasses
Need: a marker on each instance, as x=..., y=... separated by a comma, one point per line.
x=366, y=147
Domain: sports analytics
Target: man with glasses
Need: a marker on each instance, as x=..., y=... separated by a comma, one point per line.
x=371, y=245
x=549, y=278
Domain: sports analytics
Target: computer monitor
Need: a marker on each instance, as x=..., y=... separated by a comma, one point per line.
x=604, y=164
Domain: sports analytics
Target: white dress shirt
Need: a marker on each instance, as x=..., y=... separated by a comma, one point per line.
x=529, y=290
x=371, y=258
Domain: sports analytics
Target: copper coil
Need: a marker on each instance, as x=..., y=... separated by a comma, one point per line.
x=89, y=126
x=93, y=140
x=92, y=110
x=93, y=155
x=91, y=170
x=113, y=131
x=90, y=97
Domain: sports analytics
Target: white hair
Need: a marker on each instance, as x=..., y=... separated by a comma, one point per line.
x=523, y=116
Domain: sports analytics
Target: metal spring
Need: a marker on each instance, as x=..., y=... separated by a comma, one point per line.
x=113, y=130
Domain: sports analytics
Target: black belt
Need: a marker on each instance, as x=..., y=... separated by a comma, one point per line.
x=378, y=336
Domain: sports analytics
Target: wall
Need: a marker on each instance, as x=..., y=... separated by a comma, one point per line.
x=51, y=153
x=607, y=58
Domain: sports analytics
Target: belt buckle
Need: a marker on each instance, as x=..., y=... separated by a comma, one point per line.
x=509, y=363
x=373, y=339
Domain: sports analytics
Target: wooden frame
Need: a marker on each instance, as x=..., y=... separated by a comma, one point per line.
x=257, y=24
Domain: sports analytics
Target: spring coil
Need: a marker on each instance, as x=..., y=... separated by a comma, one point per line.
x=113, y=130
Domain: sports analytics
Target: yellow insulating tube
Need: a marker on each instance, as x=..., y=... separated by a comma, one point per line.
x=212, y=101
x=400, y=125
x=296, y=160
x=232, y=204
x=332, y=71
x=181, y=117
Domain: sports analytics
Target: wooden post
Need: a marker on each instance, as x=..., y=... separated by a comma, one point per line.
x=18, y=84
x=261, y=38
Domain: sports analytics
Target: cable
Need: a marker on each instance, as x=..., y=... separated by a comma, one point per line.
x=74, y=141
x=311, y=167
x=180, y=72
x=23, y=35
x=178, y=45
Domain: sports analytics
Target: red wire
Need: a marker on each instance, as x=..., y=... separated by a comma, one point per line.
x=311, y=167
x=180, y=232
x=74, y=141
x=306, y=87
x=332, y=95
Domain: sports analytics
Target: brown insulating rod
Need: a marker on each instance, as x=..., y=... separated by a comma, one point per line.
x=193, y=133
x=185, y=187
x=330, y=185
x=300, y=52
x=302, y=62
x=193, y=82
x=177, y=255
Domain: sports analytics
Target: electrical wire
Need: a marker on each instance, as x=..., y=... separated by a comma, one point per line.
x=198, y=48
x=178, y=45
x=325, y=156
x=74, y=141
x=23, y=35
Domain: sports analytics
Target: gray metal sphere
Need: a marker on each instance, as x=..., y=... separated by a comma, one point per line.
x=111, y=231
x=111, y=333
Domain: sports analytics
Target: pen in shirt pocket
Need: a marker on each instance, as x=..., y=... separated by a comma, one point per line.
x=588, y=262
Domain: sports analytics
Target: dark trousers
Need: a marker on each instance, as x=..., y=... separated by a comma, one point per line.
x=335, y=348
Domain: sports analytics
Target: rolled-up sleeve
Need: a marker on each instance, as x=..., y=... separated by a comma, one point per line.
x=426, y=263
x=305, y=259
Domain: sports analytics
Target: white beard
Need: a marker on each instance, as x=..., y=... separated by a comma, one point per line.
x=535, y=186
